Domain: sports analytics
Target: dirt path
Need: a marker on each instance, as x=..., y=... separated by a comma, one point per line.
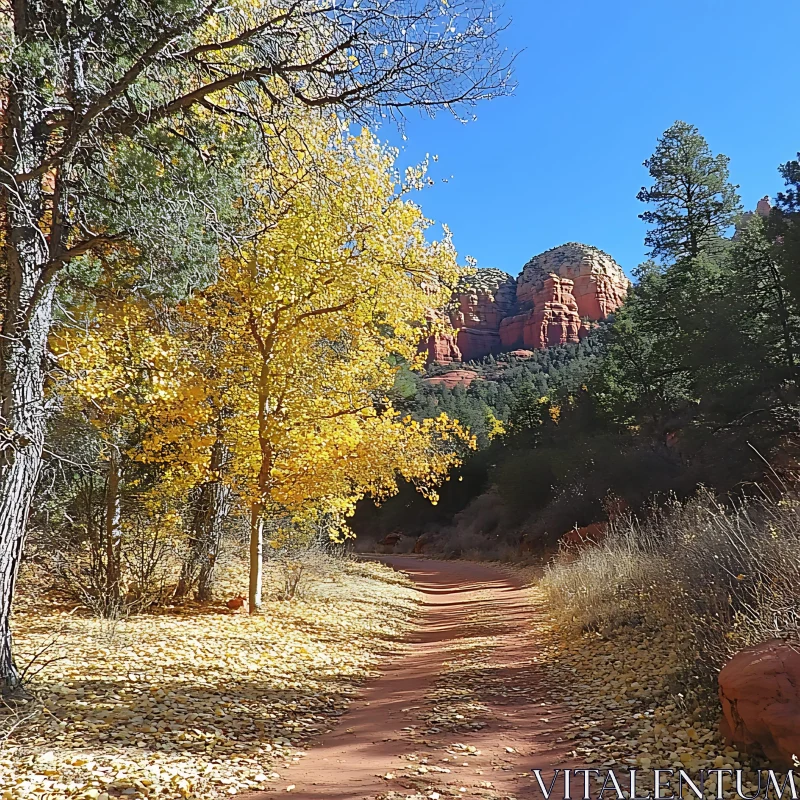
x=462, y=711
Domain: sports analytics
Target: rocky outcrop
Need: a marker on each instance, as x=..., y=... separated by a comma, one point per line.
x=481, y=303
x=554, y=300
x=456, y=377
x=764, y=207
x=763, y=210
x=599, y=286
x=442, y=348
x=554, y=318
x=759, y=689
x=440, y=343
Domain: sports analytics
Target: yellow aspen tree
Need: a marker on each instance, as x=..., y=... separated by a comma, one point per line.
x=313, y=316
x=141, y=386
x=286, y=360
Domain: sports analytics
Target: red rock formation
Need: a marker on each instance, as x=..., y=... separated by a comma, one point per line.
x=760, y=693
x=480, y=304
x=764, y=207
x=492, y=313
x=512, y=330
x=555, y=319
x=456, y=377
x=442, y=348
x=763, y=210
x=600, y=284
x=522, y=353
x=440, y=343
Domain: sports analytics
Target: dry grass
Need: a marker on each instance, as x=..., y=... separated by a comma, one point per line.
x=621, y=689
x=710, y=579
x=196, y=702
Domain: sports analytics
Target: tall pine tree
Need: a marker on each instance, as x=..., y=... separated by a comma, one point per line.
x=656, y=345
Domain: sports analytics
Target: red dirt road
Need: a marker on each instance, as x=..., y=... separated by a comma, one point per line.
x=462, y=711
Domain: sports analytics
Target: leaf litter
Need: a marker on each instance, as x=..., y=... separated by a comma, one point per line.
x=194, y=702
x=624, y=690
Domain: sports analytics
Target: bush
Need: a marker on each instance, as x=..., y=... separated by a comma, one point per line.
x=297, y=570
x=713, y=578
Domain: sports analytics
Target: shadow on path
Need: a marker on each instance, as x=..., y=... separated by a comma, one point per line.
x=462, y=711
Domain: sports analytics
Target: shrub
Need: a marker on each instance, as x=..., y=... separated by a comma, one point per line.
x=297, y=570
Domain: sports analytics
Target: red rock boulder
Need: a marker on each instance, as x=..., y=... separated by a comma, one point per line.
x=759, y=689
x=764, y=207
x=424, y=543
x=588, y=535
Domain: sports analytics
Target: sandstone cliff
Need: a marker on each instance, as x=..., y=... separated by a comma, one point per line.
x=553, y=318
x=482, y=302
x=440, y=343
x=600, y=284
x=554, y=300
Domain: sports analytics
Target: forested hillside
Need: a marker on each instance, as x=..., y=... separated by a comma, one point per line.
x=692, y=382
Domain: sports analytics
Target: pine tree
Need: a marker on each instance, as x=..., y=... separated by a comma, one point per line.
x=694, y=202
x=657, y=344
x=783, y=228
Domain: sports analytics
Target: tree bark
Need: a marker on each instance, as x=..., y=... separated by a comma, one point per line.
x=22, y=415
x=256, y=558
x=211, y=509
x=265, y=468
x=219, y=504
x=23, y=347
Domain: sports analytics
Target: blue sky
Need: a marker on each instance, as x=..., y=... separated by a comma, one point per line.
x=599, y=80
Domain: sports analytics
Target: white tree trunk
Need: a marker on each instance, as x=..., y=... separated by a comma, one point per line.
x=256, y=558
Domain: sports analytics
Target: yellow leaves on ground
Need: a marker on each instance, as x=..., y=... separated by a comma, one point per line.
x=620, y=693
x=199, y=704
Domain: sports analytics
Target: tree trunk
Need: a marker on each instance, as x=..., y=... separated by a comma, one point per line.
x=27, y=316
x=17, y=482
x=211, y=508
x=22, y=416
x=219, y=505
x=113, y=535
x=257, y=509
x=256, y=558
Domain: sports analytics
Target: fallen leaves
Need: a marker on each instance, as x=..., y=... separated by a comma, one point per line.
x=199, y=703
x=622, y=691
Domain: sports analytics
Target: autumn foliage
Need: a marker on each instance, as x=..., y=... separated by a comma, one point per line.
x=273, y=380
